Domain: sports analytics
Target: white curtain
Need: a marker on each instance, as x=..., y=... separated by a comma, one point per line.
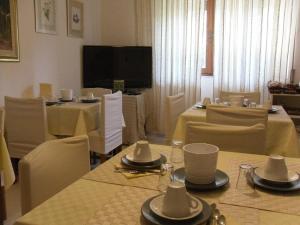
x=178, y=40
x=254, y=43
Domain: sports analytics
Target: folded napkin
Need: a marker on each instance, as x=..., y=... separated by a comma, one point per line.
x=129, y=175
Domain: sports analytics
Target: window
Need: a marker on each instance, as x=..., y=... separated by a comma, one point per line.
x=209, y=39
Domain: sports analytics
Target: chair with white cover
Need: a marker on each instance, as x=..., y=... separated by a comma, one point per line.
x=2, y=199
x=244, y=139
x=252, y=96
x=97, y=92
x=239, y=116
x=46, y=90
x=51, y=167
x=26, y=125
x=109, y=135
x=175, y=105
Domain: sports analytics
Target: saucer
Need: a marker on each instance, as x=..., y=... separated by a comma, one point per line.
x=49, y=103
x=155, y=156
x=292, y=176
x=156, y=206
x=199, y=106
x=221, y=179
x=273, y=110
x=275, y=186
x=65, y=100
x=140, y=166
x=201, y=218
x=87, y=100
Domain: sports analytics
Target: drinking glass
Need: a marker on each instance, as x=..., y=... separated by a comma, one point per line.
x=245, y=182
x=176, y=157
x=165, y=177
x=252, y=105
x=217, y=100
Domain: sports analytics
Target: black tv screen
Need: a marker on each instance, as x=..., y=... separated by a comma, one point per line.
x=104, y=64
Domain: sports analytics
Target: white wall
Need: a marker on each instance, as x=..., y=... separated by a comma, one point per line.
x=48, y=58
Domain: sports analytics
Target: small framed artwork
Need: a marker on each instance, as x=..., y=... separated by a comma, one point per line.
x=9, y=40
x=45, y=16
x=75, y=18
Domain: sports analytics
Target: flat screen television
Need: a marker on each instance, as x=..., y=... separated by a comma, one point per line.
x=104, y=64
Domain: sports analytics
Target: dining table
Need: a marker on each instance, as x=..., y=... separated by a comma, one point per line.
x=281, y=137
x=73, y=118
x=106, y=197
x=5, y=163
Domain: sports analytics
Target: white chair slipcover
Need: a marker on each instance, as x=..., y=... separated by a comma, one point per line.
x=51, y=167
x=5, y=163
x=46, y=90
x=242, y=139
x=252, y=96
x=175, y=105
x=236, y=115
x=26, y=125
x=98, y=92
x=109, y=135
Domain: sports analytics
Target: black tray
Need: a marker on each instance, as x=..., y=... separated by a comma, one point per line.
x=221, y=180
x=275, y=186
x=156, y=219
x=51, y=103
x=62, y=100
x=140, y=166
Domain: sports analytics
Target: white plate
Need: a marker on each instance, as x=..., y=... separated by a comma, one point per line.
x=292, y=176
x=157, y=203
x=155, y=156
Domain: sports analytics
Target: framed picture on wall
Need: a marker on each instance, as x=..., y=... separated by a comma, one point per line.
x=45, y=16
x=9, y=40
x=75, y=18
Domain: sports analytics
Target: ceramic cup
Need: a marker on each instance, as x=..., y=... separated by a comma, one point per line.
x=276, y=168
x=200, y=160
x=142, y=151
x=236, y=100
x=66, y=94
x=177, y=202
x=90, y=95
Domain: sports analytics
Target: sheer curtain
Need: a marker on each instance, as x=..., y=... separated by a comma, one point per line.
x=178, y=42
x=254, y=43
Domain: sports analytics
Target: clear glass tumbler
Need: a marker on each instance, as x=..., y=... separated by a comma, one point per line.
x=245, y=182
x=176, y=156
x=165, y=177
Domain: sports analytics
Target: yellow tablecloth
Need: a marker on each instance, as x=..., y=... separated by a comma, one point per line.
x=98, y=199
x=73, y=119
x=5, y=164
x=282, y=137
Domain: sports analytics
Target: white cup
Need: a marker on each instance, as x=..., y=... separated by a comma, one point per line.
x=90, y=95
x=142, y=151
x=177, y=202
x=66, y=94
x=276, y=168
x=200, y=160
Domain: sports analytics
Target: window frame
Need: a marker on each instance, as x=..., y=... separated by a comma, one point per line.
x=208, y=69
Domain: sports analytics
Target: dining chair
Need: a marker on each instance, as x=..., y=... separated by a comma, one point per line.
x=109, y=135
x=252, y=96
x=236, y=115
x=244, y=139
x=175, y=105
x=46, y=90
x=26, y=125
x=2, y=114
x=51, y=167
x=2, y=199
x=98, y=92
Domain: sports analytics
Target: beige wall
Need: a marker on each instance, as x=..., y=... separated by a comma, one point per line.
x=48, y=58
